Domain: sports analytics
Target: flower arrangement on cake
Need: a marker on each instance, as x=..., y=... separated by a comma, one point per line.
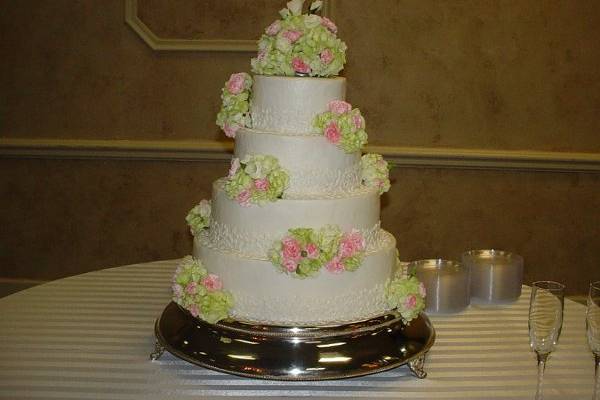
x=235, y=108
x=200, y=292
x=304, y=251
x=256, y=180
x=198, y=218
x=300, y=44
x=407, y=296
x=375, y=172
x=342, y=126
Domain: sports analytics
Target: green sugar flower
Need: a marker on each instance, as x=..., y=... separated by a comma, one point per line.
x=215, y=306
x=407, y=295
x=235, y=110
x=199, y=217
x=200, y=292
x=375, y=172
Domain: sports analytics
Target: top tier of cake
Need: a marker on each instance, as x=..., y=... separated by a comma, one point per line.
x=289, y=104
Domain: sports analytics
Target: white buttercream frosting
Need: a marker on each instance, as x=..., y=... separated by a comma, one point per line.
x=289, y=104
x=315, y=166
x=358, y=210
x=264, y=294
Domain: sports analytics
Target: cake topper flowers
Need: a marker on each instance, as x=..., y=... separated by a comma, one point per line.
x=304, y=251
x=300, y=44
x=255, y=180
x=234, y=112
x=342, y=126
x=199, y=292
x=199, y=217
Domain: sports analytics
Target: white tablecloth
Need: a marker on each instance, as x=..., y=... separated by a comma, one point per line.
x=89, y=337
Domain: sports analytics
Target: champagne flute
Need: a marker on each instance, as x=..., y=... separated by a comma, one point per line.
x=545, y=322
x=592, y=322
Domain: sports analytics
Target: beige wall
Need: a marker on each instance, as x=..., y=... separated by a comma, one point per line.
x=492, y=75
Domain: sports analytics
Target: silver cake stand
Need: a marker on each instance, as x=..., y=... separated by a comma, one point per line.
x=295, y=354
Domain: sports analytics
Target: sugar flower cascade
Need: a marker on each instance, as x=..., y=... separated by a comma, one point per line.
x=297, y=238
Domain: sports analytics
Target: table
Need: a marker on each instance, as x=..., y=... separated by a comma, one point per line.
x=90, y=336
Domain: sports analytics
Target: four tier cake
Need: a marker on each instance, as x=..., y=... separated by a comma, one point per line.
x=292, y=234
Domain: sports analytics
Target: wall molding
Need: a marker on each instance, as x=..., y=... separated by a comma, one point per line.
x=175, y=44
x=212, y=150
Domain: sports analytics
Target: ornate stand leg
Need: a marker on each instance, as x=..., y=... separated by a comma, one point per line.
x=416, y=366
x=158, y=351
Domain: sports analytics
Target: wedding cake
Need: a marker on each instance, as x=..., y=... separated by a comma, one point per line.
x=292, y=234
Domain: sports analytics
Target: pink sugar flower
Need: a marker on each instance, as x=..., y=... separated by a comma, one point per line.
x=312, y=251
x=274, y=28
x=212, y=282
x=410, y=302
x=244, y=198
x=194, y=310
x=335, y=266
x=261, y=184
x=290, y=265
x=422, y=290
x=339, y=106
x=230, y=130
x=177, y=290
x=358, y=121
x=327, y=23
x=357, y=240
x=300, y=66
x=292, y=36
x=192, y=288
x=332, y=132
x=346, y=248
x=326, y=56
x=236, y=82
x=262, y=54
x=290, y=249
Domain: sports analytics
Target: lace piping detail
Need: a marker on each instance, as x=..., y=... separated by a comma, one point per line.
x=252, y=245
x=286, y=121
x=324, y=183
x=308, y=311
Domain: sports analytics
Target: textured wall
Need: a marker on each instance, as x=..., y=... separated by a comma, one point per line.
x=64, y=217
x=483, y=74
x=475, y=74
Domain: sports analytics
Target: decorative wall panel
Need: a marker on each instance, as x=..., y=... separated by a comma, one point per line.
x=202, y=25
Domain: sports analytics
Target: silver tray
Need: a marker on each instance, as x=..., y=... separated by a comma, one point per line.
x=295, y=353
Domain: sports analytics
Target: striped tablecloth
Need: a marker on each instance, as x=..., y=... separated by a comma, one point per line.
x=89, y=337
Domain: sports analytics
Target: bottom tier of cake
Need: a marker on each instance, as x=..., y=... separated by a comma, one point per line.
x=263, y=294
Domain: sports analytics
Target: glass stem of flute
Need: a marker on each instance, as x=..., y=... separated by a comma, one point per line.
x=541, y=358
x=597, y=376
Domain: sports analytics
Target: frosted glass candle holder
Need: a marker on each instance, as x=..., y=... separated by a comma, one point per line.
x=496, y=276
x=446, y=282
